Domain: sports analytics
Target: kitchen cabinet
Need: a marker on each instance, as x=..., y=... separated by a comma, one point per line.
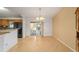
x=4, y=22
x=0, y=21
x=1, y=43
x=8, y=40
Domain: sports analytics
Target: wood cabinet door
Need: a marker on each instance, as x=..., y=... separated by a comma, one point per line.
x=77, y=29
x=5, y=22
x=0, y=22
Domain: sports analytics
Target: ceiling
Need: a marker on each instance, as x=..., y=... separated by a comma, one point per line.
x=4, y=12
x=34, y=11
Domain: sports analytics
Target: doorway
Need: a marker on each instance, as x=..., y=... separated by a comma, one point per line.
x=36, y=28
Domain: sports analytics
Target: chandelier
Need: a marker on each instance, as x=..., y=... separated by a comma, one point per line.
x=40, y=18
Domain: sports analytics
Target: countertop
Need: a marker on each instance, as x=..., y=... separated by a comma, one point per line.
x=1, y=33
x=6, y=31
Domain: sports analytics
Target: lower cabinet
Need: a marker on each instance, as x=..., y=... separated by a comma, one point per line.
x=1, y=43
x=8, y=40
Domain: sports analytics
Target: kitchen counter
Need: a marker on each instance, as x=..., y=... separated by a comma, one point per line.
x=1, y=33
x=8, y=38
x=5, y=31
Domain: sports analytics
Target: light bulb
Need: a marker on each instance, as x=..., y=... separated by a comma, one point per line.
x=42, y=18
x=37, y=18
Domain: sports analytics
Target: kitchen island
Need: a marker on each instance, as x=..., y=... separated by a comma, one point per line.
x=8, y=38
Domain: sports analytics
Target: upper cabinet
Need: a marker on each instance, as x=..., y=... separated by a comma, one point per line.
x=4, y=22
x=0, y=21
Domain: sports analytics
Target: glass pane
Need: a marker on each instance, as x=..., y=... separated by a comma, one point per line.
x=36, y=28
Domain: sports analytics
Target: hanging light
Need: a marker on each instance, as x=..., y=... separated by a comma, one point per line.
x=40, y=18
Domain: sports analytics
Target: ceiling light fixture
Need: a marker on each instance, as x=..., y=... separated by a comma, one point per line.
x=40, y=18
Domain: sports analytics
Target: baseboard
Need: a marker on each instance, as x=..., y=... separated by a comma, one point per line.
x=65, y=44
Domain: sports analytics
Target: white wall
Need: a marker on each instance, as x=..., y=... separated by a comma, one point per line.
x=48, y=31
x=26, y=27
x=47, y=26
